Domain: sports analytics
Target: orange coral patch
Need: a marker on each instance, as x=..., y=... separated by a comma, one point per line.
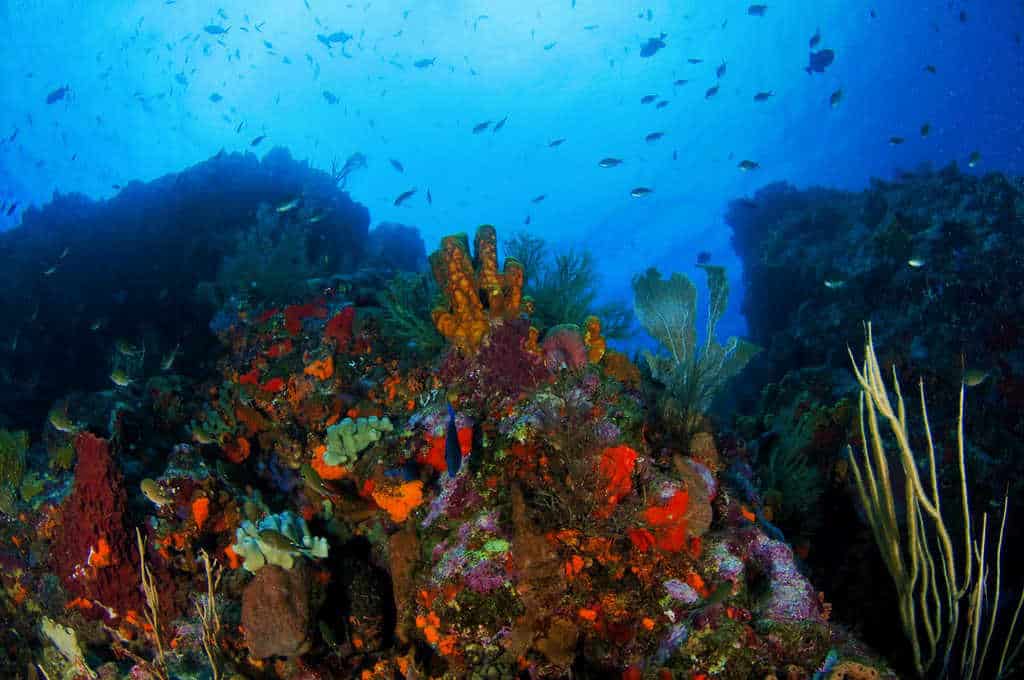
x=616, y=467
x=100, y=556
x=200, y=510
x=587, y=614
x=322, y=369
x=399, y=501
x=233, y=560
x=238, y=450
x=323, y=469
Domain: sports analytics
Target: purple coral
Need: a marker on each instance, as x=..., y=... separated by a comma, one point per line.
x=563, y=348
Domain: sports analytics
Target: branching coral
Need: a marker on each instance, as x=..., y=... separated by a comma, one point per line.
x=667, y=308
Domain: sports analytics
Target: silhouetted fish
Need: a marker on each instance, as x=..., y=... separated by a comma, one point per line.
x=500, y=124
x=56, y=95
x=819, y=61
x=720, y=71
x=214, y=29
x=480, y=127
x=757, y=10
x=396, y=165
x=556, y=142
x=404, y=196
x=703, y=257
x=424, y=63
x=257, y=140
x=815, y=39
x=452, y=450
x=329, y=96
x=652, y=45
x=763, y=96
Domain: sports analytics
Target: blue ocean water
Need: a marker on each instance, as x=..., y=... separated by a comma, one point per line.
x=140, y=77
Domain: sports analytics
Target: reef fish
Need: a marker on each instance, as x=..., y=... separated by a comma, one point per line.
x=609, y=162
x=396, y=165
x=654, y=136
x=651, y=47
x=330, y=97
x=746, y=165
x=640, y=192
x=817, y=62
x=58, y=94
x=424, y=63
x=154, y=492
x=757, y=10
x=648, y=98
x=763, y=96
x=480, y=127
x=214, y=29
x=452, y=450
x=404, y=196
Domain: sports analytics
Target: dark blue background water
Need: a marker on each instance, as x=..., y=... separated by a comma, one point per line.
x=141, y=76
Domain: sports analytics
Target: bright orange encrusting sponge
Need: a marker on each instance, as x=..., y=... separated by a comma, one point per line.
x=596, y=345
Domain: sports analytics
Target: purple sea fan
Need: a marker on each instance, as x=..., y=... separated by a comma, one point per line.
x=563, y=348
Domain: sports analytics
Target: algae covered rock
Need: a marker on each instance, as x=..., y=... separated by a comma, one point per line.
x=349, y=437
x=276, y=612
x=276, y=540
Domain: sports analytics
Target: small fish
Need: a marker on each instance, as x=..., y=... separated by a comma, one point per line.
x=97, y=324
x=51, y=271
x=815, y=39
x=609, y=162
x=896, y=141
x=240, y=126
x=215, y=97
x=835, y=98
x=61, y=422
x=527, y=220
x=257, y=140
x=168, y=360
x=500, y=124
x=763, y=96
x=430, y=199
x=925, y=129
x=915, y=263
x=214, y=29
x=538, y=199
x=640, y=192
x=973, y=159
x=834, y=284
x=404, y=196
x=662, y=104
x=424, y=63
x=720, y=71
x=120, y=378
x=694, y=60
x=963, y=16
x=550, y=45
x=10, y=211
x=930, y=68
x=289, y=205
x=817, y=62
x=277, y=541
x=154, y=492
x=757, y=10
x=396, y=165
x=556, y=142
x=181, y=79
x=711, y=92
x=648, y=98
x=974, y=377
x=746, y=165
x=703, y=257
x=590, y=27
x=339, y=36
x=57, y=95
x=680, y=82
x=654, y=136
x=480, y=127
x=452, y=449
x=651, y=47
x=330, y=97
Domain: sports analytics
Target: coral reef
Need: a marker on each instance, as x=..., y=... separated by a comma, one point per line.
x=276, y=540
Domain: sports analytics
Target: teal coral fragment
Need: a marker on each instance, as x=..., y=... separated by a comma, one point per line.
x=349, y=437
x=277, y=539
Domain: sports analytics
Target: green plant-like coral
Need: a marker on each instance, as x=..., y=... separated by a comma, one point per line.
x=407, y=302
x=565, y=287
x=349, y=437
x=12, y=467
x=692, y=376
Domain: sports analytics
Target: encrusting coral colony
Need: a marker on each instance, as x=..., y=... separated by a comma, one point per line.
x=526, y=502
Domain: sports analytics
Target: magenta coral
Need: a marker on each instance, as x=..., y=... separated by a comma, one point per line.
x=93, y=553
x=563, y=348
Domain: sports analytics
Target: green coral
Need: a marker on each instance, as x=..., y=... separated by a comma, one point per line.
x=565, y=287
x=277, y=539
x=349, y=437
x=407, y=302
x=12, y=467
x=692, y=376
